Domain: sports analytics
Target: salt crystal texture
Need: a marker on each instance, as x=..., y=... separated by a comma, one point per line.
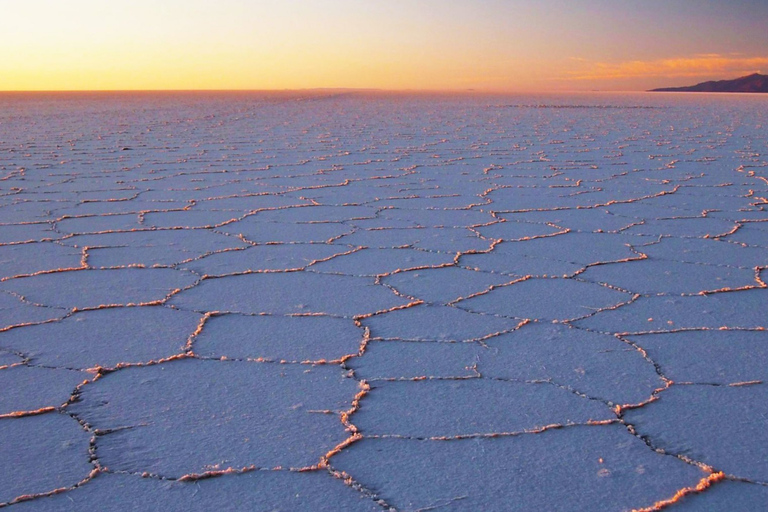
x=359, y=301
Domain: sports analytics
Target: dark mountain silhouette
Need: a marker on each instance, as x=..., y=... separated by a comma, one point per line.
x=751, y=83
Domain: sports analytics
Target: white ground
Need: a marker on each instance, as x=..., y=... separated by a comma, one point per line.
x=357, y=302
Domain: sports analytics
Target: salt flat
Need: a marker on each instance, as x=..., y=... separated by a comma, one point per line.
x=358, y=301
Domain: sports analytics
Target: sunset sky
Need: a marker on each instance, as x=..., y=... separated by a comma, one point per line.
x=497, y=45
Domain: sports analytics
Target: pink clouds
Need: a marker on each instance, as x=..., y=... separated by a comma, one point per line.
x=700, y=65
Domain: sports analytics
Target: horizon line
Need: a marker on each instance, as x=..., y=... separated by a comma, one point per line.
x=326, y=90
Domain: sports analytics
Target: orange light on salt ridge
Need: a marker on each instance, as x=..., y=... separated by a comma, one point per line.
x=704, y=484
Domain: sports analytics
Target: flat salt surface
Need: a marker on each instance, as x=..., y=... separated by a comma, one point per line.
x=706, y=251
x=719, y=425
x=659, y=276
x=9, y=358
x=375, y=262
x=279, y=338
x=722, y=357
x=545, y=299
x=603, y=467
x=26, y=232
x=42, y=453
x=746, y=309
x=89, y=288
x=289, y=293
x=444, y=285
x=753, y=235
x=33, y=257
x=437, y=323
x=394, y=360
x=595, y=364
x=683, y=227
x=321, y=301
x=182, y=404
x=257, y=490
x=18, y=312
x=254, y=231
x=439, y=408
x=152, y=247
x=105, y=337
x=445, y=239
x=98, y=223
x=554, y=255
x=550, y=222
x=30, y=388
x=264, y=258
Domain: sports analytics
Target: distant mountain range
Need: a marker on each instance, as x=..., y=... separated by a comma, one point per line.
x=751, y=83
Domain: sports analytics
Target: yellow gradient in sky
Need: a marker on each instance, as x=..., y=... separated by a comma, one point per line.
x=393, y=44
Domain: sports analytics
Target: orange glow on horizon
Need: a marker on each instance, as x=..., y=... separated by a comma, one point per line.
x=695, y=66
x=549, y=45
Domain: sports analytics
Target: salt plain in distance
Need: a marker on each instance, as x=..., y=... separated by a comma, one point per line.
x=350, y=301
